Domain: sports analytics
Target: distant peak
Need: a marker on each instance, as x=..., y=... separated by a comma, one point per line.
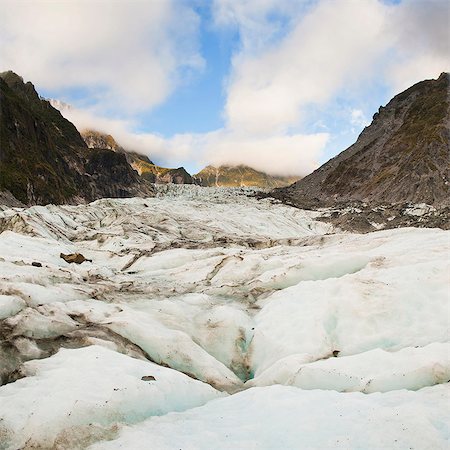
x=240, y=175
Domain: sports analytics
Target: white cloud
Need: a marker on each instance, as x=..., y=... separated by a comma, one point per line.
x=257, y=21
x=294, y=154
x=293, y=57
x=421, y=36
x=278, y=154
x=127, y=54
x=358, y=118
x=329, y=45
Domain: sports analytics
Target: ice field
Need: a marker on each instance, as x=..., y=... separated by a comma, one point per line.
x=207, y=319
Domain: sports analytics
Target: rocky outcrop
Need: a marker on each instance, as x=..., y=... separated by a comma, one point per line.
x=403, y=156
x=44, y=159
x=240, y=176
x=96, y=139
x=142, y=164
x=110, y=175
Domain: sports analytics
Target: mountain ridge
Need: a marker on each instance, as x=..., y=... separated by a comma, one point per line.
x=402, y=156
x=44, y=159
x=146, y=168
x=211, y=176
x=240, y=175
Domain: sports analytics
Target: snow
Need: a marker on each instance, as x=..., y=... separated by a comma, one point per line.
x=420, y=209
x=319, y=336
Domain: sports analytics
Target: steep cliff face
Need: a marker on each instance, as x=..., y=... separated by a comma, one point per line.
x=34, y=140
x=240, y=176
x=148, y=170
x=96, y=139
x=44, y=159
x=403, y=156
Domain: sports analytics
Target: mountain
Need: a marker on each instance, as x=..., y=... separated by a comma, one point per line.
x=240, y=176
x=142, y=164
x=403, y=156
x=163, y=175
x=96, y=139
x=226, y=176
x=44, y=159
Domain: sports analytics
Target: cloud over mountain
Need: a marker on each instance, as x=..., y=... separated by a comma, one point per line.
x=116, y=61
x=121, y=57
x=325, y=47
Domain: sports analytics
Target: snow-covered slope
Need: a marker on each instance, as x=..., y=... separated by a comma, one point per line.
x=245, y=324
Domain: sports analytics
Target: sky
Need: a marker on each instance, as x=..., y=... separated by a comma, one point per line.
x=280, y=85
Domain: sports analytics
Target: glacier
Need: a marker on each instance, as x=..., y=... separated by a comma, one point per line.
x=205, y=318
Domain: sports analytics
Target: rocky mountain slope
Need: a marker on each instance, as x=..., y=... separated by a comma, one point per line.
x=141, y=163
x=96, y=139
x=163, y=175
x=403, y=156
x=222, y=176
x=240, y=176
x=44, y=159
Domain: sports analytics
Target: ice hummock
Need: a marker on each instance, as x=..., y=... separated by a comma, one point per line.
x=322, y=338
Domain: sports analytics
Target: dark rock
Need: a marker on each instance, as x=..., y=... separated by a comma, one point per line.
x=148, y=378
x=44, y=159
x=96, y=139
x=76, y=258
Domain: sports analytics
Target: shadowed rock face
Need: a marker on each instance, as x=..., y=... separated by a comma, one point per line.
x=96, y=139
x=44, y=159
x=403, y=156
x=141, y=163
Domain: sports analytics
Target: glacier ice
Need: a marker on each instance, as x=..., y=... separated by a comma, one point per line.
x=65, y=396
x=284, y=417
x=322, y=338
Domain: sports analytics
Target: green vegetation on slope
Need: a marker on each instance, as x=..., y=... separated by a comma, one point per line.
x=157, y=174
x=44, y=159
x=240, y=176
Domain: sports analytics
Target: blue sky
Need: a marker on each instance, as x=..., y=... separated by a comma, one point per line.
x=281, y=85
x=197, y=104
